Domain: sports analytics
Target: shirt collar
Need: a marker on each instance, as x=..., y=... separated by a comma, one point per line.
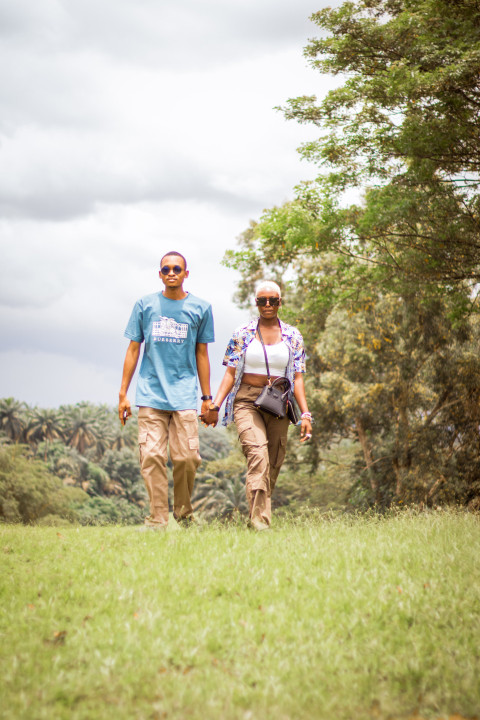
x=252, y=326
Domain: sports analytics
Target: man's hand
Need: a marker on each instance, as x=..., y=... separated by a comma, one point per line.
x=131, y=359
x=204, y=409
x=124, y=409
x=207, y=416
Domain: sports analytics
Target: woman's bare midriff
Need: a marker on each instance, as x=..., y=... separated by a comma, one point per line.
x=256, y=380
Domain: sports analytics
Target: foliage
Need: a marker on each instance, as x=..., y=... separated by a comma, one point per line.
x=222, y=498
x=84, y=449
x=123, y=470
x=393, y=369
x=43, y=425
x=385, y=289
x=220, y=486
x=81, y=426
x=215, y=443
x=108, y=511
x=406, y=122
x=28, y=492
x=393, y=383
x=403, y=127
x=12, y=418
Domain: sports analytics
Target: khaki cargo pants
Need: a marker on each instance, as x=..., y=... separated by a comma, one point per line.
x=264, y=441
x=179, y=430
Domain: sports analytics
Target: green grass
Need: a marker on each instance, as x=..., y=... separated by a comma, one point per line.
x=327, y=618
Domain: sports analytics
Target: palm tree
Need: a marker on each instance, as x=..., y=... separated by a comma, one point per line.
x=44, y=426
x=225, y=499
x=81, y=426
x=12, y=418
x=124, y=435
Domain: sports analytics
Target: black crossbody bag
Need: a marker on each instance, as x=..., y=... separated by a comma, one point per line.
x=275, y=398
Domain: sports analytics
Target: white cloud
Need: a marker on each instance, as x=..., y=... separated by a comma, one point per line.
x=128, y=129
x=177, y=32
x=52, y=379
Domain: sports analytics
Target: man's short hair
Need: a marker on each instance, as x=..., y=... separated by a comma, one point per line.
x=174, y=252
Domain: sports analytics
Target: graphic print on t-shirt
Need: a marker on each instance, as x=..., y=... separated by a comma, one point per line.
x=168, y=330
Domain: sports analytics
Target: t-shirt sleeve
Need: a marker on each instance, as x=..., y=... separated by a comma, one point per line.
x=134, y=329
x=206, y=333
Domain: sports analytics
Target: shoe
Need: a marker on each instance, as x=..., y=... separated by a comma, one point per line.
x=187, y=522
x=258, y=524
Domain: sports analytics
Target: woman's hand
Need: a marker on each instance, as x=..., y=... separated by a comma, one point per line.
x=299, y=392
x=305, y=430
x=209, y=418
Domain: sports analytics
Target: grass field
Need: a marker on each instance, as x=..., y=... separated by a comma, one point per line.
x=340, y=618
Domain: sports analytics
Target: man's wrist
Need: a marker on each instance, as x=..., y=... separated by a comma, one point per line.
x=204, y=398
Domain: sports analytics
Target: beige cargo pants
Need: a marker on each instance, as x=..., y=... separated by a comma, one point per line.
x=179, y=430
x=264, y=442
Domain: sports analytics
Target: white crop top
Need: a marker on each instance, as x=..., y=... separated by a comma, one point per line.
x=277, y=358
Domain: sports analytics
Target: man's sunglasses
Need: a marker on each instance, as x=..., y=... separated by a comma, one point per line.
x=262, y=301
x=176, y=269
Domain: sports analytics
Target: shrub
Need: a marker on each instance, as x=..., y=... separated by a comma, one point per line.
x=28, y=491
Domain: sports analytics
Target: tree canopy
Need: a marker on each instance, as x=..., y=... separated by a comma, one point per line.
x=403, y=128
x=379, y=257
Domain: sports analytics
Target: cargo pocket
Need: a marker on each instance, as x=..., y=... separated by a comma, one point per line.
x=190, y=425
x=248, y=438
x=193, y=443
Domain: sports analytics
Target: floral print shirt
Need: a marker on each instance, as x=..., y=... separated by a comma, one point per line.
x=235, y=357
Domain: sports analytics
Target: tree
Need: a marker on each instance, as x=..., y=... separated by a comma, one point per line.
x=81, y=426
x=123, y=469
x=393, y=384
x=386, y=288
x=220, y=485
x=404, y=126
x=215, y=443
x=391, y=368
x=28, y=492
x=223, y=499
x=106, y=511
x=64, y=462
x=12, y=418
x=43, y=426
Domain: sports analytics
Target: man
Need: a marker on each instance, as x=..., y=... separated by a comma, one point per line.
x=176, y=327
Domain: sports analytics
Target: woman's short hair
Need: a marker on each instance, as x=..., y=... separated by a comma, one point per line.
x=269, y=286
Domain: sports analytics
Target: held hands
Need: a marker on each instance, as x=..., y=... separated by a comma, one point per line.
x=208, y=416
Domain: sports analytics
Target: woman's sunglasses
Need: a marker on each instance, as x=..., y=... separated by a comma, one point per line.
x=176, y=269
x=262, y=301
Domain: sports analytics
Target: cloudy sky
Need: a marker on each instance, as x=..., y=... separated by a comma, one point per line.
x=128, y=128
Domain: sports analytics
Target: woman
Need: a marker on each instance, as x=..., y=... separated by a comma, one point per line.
x=263, y=437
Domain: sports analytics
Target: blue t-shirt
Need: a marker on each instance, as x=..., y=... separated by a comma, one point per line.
x=171, y=330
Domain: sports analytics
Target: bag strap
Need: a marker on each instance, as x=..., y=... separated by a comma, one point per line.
x=264, y=352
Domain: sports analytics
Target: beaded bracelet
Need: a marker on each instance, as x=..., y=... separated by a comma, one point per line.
x=306, y=416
